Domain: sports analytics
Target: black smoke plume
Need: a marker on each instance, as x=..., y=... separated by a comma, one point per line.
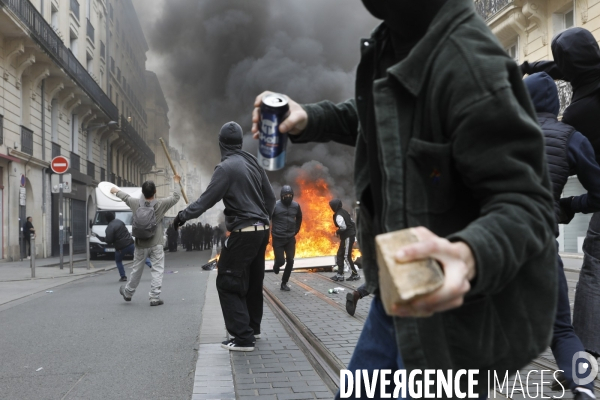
x=218, y=55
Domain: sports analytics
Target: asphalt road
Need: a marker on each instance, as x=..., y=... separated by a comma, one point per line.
x=91, y=344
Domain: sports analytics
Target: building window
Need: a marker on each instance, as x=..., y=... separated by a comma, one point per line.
x=54, y=18
x=73, y=45
x=569, y=17
x=1, y=129
x=89, y=63
x=563, y=20
x=513, y=51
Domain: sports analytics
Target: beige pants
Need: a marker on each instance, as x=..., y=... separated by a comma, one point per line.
x=157, y=258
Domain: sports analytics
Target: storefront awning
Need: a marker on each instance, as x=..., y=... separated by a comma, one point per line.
x=11, y=158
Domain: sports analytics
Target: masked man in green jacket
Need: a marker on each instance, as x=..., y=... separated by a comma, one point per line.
x=446, y=142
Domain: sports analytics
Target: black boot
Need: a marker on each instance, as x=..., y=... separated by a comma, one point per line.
x=285, y=287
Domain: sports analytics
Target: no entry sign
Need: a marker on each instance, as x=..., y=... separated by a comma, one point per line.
x=59, y=164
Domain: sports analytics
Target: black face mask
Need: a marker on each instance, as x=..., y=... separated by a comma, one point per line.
x=408, y=19
x=287, y=199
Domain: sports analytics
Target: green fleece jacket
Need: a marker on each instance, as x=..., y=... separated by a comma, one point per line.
x=461, y=153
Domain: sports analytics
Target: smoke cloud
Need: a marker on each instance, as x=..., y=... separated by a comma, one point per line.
x=215, y=56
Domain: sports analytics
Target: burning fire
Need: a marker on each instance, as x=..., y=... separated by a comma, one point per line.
x=317, y=234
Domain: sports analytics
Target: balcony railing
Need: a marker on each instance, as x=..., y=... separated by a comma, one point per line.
x=75, y=8
x=91, y=170
x=26, y=140
x=43, y=33
x=102, y=174
x=90, y=30
x=55, y=150
x=488, y=8
x=75, y=162
x=138, y=142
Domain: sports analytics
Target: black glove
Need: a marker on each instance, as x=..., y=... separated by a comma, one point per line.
x=178, y=221
x=566, y=213
x=525, y=68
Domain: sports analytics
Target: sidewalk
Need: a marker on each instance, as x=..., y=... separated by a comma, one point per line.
x=16, y=282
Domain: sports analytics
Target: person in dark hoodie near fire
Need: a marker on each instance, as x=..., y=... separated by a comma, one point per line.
x=448, y=144
x=249, y=200
x=577, y=60
x=568, y=153
x=346, y=231
x=287, y=221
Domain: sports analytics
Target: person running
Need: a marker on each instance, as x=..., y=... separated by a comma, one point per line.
x=243, y=186
x=287, y=220
x=152, y=246
x=352, y=298
x=118, y=236
x=347, y=233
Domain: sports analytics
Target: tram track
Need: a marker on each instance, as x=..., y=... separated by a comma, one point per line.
x=322, y=359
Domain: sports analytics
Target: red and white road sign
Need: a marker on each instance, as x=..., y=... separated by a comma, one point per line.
x=59, y=164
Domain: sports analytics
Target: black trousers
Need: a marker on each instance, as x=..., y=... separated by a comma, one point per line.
x=27, y=244
x=241, y=271
x=344, y=255
x=281, y=246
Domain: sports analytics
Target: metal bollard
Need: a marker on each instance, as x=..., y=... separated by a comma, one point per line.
x=32, y=249
x=88, y=251
x=70, y=254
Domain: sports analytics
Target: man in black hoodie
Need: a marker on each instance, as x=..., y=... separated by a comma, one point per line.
x=243, y=186
x=347, y=233
x=577, y=60
x=287, y=220
x=568, y=153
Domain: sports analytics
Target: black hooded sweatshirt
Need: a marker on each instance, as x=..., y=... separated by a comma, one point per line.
x=242, y=185
x=348, y=228
x=577, y=60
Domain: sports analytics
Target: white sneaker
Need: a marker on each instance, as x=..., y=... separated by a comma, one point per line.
x=29, y=258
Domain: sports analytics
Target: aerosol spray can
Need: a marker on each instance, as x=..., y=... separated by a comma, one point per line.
x=272, y=143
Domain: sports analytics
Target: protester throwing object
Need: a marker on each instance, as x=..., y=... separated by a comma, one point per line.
x=147, y=227
x=249, y=201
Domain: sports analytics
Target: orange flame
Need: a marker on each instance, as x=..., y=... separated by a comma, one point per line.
x=317, y=234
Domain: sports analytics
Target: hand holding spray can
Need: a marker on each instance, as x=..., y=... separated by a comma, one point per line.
x=272, y=143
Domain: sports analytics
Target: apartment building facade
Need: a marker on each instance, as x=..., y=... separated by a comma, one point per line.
x=72, y=83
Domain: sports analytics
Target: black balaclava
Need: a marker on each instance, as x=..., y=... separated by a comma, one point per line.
x=231, y=138
x=287, y=195
x=408, y=19
x=335, y=204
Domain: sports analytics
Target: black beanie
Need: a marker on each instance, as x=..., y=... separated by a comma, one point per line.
x=231, y=134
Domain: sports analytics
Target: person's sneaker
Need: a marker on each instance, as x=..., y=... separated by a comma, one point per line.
x=582, y=393
x=233, y=346
x=29, y=257
x=276, y=270
x=351, y=300
x=285, y=287
x=122, y=291
x=354, y=277
x=560, y=377
x=257, y=336
x=123, y=279
x=156, y=302
x=338, y=278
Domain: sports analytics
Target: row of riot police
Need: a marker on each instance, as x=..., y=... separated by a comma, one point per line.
x=199, y=237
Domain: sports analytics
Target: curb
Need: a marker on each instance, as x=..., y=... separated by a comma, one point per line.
x=94, y=271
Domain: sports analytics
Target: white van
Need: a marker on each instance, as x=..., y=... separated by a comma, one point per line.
x=99, y=223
